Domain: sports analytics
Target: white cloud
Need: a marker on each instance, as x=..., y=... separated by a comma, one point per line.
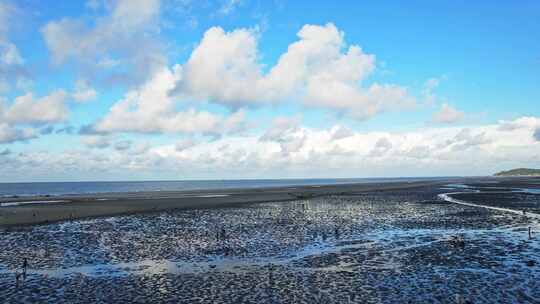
x=318, y=69
x=340, y=132
x=229, y=6
x=298, y=151
x=139, y=148
x=287, y=133
x=124, y=36
x=224, y=69
x=527, y=122
x=184, y=144
x=151, y=109
x=427, y=91
x=26, y=109
x=96, y=141
x=83, y=92
x=9, y=134
x=448, y=114
x=288, y=148
x=466, y=139
x=281, y=127
x=9, y=54
x=123, y=145
x=13, y=73
x=93, y=4
x=382, y=146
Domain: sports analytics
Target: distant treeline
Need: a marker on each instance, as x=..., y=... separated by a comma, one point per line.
x=519, y=171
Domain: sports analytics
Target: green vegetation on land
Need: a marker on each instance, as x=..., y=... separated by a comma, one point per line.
x=519, y=172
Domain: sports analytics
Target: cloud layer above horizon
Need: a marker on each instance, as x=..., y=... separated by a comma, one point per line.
x=118, y=97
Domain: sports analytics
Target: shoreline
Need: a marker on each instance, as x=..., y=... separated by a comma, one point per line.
x=23, y=211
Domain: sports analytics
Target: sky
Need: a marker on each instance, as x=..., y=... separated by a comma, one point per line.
x=234, y=89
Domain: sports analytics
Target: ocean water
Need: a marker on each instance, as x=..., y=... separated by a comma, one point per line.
x=62, y=188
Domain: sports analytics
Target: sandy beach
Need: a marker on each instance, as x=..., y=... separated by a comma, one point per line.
x=47, y=209
x=434, y=242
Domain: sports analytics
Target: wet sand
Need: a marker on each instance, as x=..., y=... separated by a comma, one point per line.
x=373, y=246
x=48, y=209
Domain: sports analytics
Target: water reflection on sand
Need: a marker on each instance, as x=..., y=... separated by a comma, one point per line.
x=376, y=247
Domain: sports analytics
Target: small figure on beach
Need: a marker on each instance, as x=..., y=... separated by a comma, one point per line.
x=17, y=279
x=24, y=266
x=223, y=234
x=336, y=233
x=530, y=233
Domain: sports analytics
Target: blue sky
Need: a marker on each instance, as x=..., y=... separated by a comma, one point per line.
x=182, y=89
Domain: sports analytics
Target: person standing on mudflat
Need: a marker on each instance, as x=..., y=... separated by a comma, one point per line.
x=24, y=266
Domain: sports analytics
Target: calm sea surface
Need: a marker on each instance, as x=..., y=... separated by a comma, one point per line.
x=58, y=188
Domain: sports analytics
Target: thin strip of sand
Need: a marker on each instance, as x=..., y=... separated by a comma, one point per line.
x=45, y=209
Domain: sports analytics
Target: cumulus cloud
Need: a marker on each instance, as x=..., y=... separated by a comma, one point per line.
x=281, y=127
x=448, y=114
x=339, y=132
x=527, y=122
x=466, y=139
x=27, y=109
x=123, y=35
x=319, y=69
x=382, y=146
x=287, y=133
x=422, y=152
x=9, y=134
x=151, y=109
x=289, y=147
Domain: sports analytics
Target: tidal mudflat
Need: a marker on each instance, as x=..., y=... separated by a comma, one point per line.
x=393, y=246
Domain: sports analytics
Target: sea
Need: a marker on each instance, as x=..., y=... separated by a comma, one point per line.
x=87, y=187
